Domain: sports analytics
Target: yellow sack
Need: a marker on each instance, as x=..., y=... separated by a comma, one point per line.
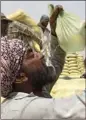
x=72, y=62
x=72, y=55
x=74, y=71
x=75, y=75
x=72, y=65
x=66, y=88
x=65, y=73
x=36, y=46
x=71, y=59
x=73, y=68
x=20, y=16
x=65, y=68
x=66, y=65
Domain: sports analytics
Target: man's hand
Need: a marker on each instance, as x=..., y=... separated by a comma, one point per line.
x=53, y=18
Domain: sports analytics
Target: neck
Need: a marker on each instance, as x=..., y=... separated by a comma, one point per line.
x=38, y=93
x=27, y=88
x=23, y=87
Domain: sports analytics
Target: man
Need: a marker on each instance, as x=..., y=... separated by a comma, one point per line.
x=44, y=20
x=15, y=65
x=13, y=52
x=43, y=23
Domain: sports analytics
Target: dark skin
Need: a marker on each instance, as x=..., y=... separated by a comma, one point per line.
x=31, y=63
x=53, y=18
x=44, y=24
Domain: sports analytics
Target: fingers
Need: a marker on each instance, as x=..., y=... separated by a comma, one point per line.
x=60, y=7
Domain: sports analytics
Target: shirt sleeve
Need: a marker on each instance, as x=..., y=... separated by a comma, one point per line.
x=57, y=57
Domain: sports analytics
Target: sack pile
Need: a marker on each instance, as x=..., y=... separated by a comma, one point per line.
x=74, y=66
x=25, y=28
x=69, y=81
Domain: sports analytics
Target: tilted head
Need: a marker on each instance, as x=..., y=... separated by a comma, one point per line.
x=35, y=68
x=37, y=73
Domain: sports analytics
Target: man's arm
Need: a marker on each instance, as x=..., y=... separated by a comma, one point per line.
x=57, y=54
x=57, y=57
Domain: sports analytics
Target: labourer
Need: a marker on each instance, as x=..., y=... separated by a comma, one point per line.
x=15, y=52
x=43, y=23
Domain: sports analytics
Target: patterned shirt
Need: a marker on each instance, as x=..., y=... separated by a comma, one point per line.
x=12, y=52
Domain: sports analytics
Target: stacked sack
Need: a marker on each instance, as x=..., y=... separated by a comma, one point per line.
x=74, y=66
x=69, y=81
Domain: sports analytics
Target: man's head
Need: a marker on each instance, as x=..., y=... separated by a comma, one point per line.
x=44, y=20
x=4, y=24
x=36, y=71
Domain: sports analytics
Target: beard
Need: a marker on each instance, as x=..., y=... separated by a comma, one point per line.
x=40, y=77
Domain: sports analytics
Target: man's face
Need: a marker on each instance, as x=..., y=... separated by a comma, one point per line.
x=32, y=62
x=45, y=23
x=35, y=63
x=36, y=70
